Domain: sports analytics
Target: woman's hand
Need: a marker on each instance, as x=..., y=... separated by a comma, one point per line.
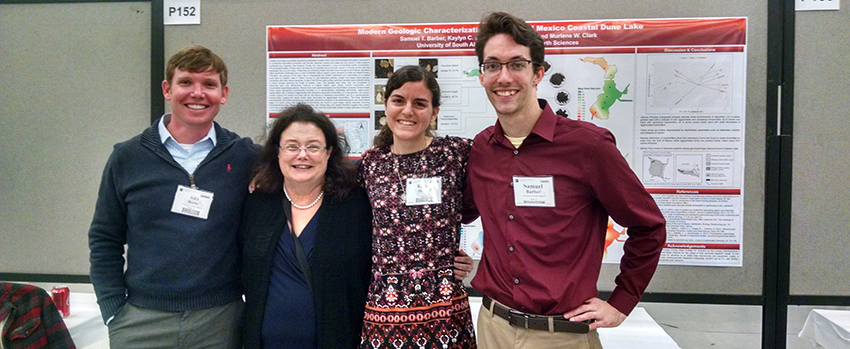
x=463, y=265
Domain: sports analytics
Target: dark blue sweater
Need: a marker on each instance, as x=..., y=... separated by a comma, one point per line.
x=174, y=262
x=340, y=263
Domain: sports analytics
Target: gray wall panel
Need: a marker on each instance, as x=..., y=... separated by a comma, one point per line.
x=75, y=81
x=820, y=228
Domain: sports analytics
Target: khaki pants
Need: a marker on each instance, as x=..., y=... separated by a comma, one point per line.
x=496, y=333
x=216, y=327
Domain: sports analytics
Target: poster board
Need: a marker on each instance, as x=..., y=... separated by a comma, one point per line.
x=672, y=91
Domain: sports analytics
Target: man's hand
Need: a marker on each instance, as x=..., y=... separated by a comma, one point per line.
x=603, y=314
x=463, y=265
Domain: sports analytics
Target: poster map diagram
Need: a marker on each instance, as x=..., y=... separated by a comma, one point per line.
x=672, y=91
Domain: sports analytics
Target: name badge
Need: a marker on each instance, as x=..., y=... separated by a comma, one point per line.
x=424, y=191
x=534, y=191
x=192, y=202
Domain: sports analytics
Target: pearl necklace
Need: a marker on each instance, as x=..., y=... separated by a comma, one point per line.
x=322, y=193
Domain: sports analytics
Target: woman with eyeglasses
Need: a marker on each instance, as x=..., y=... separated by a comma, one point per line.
x=307, y=239
x=415, y=183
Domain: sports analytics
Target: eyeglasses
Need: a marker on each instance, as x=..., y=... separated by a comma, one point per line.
x=513, y=66
x=292, y=149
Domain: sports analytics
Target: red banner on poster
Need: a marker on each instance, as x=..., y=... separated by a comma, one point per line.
x=556, y=34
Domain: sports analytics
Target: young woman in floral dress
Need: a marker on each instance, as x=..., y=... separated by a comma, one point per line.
x=415, y=183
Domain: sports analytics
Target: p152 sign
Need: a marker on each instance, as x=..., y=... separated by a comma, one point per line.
x=176, y=12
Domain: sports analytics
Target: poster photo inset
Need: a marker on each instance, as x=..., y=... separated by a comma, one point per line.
x=563, y=97
x=379, y=94
x=557, y=79
x=563, y=112
x=547, y=67
x=380, y=119
x=384, y=68
x=430, y=64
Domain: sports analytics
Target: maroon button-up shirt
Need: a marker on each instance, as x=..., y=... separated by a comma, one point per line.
x=546, y=260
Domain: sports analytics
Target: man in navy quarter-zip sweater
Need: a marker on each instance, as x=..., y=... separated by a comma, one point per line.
x=173, y=196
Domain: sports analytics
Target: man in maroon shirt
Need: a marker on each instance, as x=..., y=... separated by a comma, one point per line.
x=545, y=186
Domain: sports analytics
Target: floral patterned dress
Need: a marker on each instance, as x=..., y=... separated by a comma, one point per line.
x=414, y=299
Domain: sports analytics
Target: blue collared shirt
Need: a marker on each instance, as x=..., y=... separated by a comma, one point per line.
x=191, y=158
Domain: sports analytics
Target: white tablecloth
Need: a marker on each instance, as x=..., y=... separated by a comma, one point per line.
x=637, y=332
x=85, y=324
x=828, y=328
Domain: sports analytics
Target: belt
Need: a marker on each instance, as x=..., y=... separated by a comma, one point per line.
x=535, y=322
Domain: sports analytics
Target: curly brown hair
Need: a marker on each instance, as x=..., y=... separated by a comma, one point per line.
x=340, y=176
